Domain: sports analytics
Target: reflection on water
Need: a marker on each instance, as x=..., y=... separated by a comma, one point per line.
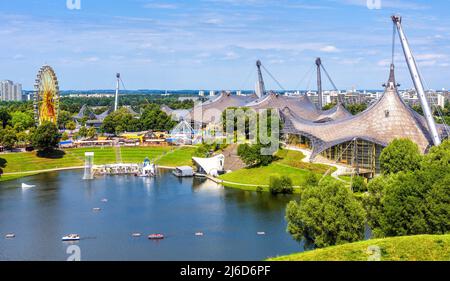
x=62, y=203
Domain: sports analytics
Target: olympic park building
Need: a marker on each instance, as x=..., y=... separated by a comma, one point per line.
x=358, y=140
x=336, y=134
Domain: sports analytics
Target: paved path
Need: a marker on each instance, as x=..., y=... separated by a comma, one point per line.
x=232, y=161
x=341, y=169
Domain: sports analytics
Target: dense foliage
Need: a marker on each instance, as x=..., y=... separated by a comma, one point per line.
x=327, y=215
x=259, y=152
x=409, y=203
x=152, y=118
x=252, y=155
x=46, y=137
x=401, y=155
x=356, y=108
x=281, y=185
x=359, y=184
x=74, y=104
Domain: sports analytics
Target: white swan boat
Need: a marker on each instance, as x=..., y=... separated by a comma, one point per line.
x=26, y=186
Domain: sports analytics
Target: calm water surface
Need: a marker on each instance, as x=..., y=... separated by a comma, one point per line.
x=62, y=203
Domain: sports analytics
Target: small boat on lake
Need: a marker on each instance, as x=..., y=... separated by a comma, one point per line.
x=156, y=236
x=261, y=233
x=136, y=234
x=10, y=236
x=96, y=209
x=199, y=234
x=71, y=237
x=104, y=200
x=183, y=172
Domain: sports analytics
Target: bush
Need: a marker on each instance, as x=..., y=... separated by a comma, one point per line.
x=281, y=185
x=401, y=155
x=251, y=155
x=359, y=184
x=326, y=216
x=311, y=179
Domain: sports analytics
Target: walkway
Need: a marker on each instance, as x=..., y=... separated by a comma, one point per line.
x=342, y=170
x=232, y=161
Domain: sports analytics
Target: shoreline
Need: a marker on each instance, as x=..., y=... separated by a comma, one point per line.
x=37, y=172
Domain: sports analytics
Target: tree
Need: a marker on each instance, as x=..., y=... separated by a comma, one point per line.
x=373, y=203
x=356, y=108
x=281, y=185
x=46, y=137
x=22, y=121
x=5, y=117
x=359, y=184
x=65, y=136
x=121, y=119
x=83, y=132
x=8, y=137
x=400, y=155
x=326, y=216
x=329, y=106
x=153, y=118
x=412, y=203
x=252, y=155
x=311, y=179
x=91, y=133
x=63, y=118
x=71, y=126
x=22, y=138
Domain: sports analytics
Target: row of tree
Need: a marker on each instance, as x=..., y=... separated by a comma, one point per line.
x=411, y=197
x=152, y=118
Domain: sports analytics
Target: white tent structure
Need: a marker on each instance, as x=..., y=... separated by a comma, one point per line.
x=210, y=166
x=182, y=133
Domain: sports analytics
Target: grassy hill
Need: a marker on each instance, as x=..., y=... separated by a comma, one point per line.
x=408, y=248
x=289, y=164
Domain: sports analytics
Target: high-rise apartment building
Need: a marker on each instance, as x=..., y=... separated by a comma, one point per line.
x=10, y=91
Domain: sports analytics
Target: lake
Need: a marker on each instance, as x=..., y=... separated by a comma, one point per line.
x=62, y=203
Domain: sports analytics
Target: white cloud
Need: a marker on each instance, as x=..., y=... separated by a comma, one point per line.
x=231, y=56
x=392, y=4
x=91, y=59
x=213, y=21
x=169, y=6
x=329, y=49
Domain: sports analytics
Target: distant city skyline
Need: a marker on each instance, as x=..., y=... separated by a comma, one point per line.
x=214, y=44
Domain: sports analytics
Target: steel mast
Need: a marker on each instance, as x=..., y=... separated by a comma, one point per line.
x=417, y=80
x=319, y=83
x=116, y=101
x=261, y=89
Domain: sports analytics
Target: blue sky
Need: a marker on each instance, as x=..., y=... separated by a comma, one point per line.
x=213, y=44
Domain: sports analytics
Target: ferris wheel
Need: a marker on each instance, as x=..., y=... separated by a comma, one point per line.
x=46, y=98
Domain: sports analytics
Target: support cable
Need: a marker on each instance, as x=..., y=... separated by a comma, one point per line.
x=271, y=76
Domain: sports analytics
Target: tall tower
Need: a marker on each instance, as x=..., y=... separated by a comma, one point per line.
x=414, y=71
x=319, y=83
x=260, y=87
x=116, y=101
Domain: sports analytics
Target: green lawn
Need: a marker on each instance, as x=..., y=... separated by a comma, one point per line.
x=26, y=162
x=408, y=248
x=289, y=164
x=179, y=157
